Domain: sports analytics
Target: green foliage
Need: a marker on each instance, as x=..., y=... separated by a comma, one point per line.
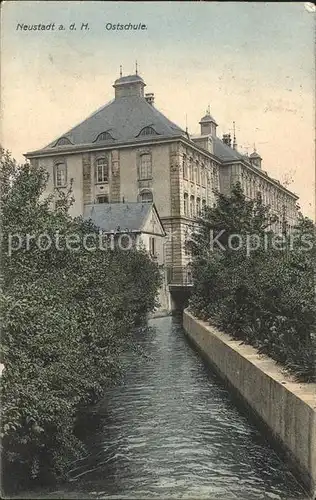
x=66, y=317
x=264, y=296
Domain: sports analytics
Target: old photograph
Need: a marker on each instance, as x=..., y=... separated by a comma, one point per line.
x=158, y=250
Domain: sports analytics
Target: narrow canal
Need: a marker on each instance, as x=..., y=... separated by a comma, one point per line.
x=171, y=430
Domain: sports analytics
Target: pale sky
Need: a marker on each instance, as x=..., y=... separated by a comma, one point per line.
x=253, y=63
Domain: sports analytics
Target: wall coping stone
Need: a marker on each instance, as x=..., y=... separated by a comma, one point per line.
x=305, y=393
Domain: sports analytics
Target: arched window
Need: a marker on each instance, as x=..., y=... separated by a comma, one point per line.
x=198, y=174
x=63, y=141
x=103, y=198
x=147, y=131
x=186, y=204
x=104, y=136
x=102, y=170
x=192, y=206
x=60, y=170
x=146, y=197
x=203, y=204
x=145, y=167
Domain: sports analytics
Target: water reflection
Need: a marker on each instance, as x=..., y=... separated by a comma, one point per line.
x=170, y=430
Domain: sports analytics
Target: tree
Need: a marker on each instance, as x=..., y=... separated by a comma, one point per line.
x=253, y=287
x=66, y=315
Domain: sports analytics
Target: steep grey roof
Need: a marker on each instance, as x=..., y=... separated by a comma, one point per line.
x=224, y=152
x=123, y=118
x=118, y=217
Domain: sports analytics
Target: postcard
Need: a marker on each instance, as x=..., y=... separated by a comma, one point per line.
x=158, y=250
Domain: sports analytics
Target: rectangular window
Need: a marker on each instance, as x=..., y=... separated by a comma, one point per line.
x=61, y=178
x=60, y=174
x=203, y=180
x=185, y=167
x=192, y=207
x=102, y=170
x=152, y=246
x=145, y=167
x=191, y=171
x=186, y=204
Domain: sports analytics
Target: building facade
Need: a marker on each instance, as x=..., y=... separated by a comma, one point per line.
x=128, y=151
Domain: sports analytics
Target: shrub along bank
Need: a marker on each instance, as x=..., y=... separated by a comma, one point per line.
x=263, y=296
x=66, y=318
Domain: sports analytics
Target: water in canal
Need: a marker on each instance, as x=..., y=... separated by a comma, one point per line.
x=171, y=430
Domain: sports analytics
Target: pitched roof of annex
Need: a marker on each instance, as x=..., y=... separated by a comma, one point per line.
x=119, y=217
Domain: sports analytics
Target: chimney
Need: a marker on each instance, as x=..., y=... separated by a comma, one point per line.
x=227, y=140
x=150, y=98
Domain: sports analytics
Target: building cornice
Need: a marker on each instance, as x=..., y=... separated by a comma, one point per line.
x=87, y=148
x=178, y=217
x=193, y=145
x=246, y=164
x=263, y=175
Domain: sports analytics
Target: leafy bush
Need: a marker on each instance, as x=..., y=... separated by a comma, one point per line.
x=66, y=317
x=265, y=296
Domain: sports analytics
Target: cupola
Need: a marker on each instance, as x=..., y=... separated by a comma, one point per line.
x=208, y=124
x=255, y=159
x=129, y=86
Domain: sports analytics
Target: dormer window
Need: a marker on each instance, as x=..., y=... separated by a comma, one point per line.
x=104, y=136
x=147, y=131
x=63, y=141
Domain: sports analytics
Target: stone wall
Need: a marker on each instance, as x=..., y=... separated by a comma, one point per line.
x=287, y=409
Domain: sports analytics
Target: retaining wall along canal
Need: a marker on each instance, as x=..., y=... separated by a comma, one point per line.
x=287, y=408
